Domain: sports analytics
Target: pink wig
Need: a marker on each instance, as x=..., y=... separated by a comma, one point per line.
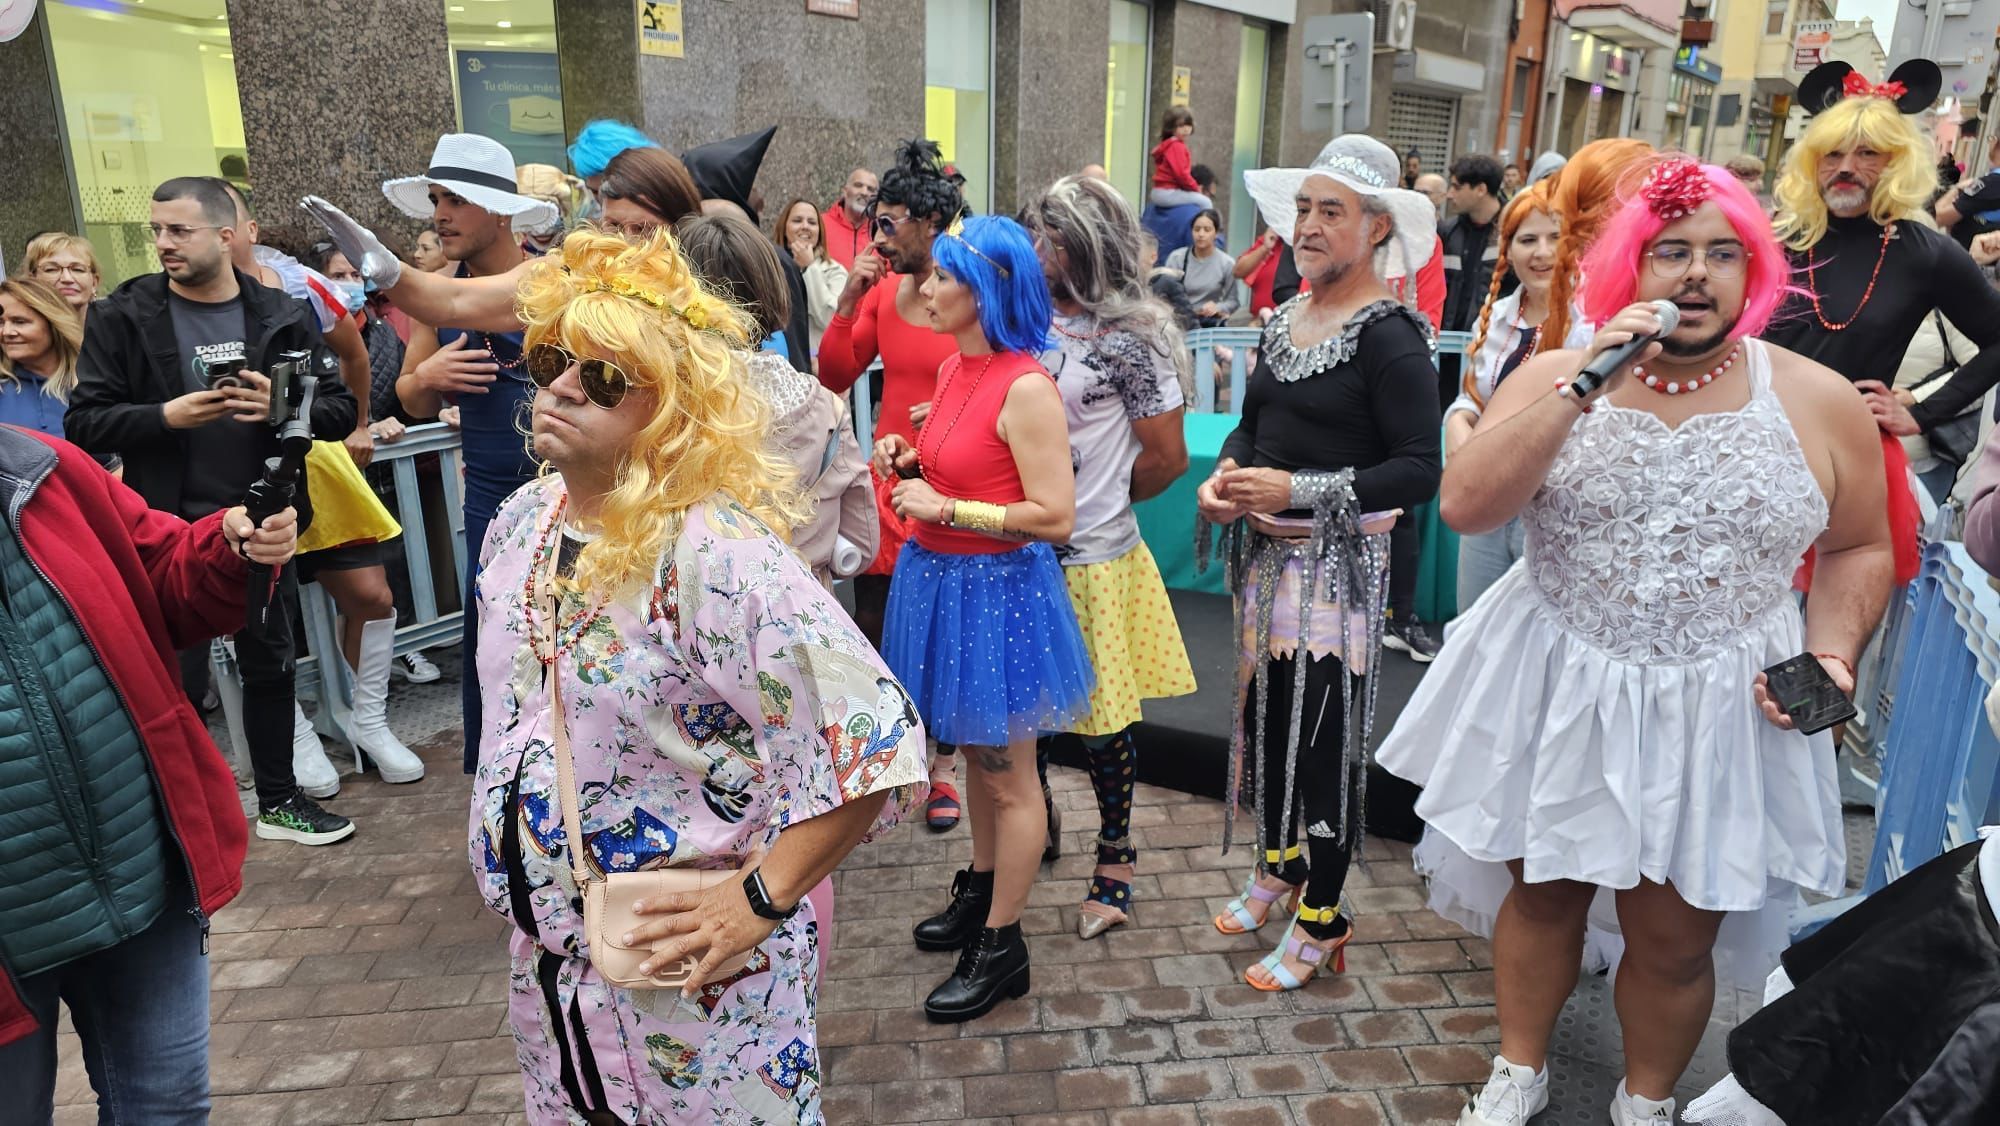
x=1611, y=267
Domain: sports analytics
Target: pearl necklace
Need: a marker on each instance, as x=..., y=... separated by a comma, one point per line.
x=1692, y=383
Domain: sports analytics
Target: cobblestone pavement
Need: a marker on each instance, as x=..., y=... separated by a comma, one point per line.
x=365, y=982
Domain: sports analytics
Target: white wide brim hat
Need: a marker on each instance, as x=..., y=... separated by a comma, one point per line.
x=1276, y=192
x=479, y=169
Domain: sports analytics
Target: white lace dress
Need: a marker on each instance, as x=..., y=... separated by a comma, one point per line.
x=1592, y=716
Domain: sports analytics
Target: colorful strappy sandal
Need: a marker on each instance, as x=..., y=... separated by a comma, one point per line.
x=1109, y=902
x=943, y=810
x=1315, y=953
x=1236, y=917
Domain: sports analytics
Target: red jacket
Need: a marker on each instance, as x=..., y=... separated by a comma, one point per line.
x=142, y=584
x=844, y=240
x=1173, y=167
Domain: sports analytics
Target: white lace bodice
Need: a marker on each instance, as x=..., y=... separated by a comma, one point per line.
x=1658, y=546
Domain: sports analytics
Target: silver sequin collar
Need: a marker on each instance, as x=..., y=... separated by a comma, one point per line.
x=1290, y=364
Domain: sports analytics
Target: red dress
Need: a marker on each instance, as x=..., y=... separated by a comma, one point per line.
x=960, y=449
x=911, y=355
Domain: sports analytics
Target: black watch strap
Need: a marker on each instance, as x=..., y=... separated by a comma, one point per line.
x=760, y=898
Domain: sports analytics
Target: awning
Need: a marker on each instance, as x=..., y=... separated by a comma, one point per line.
x=1439, y=73
x=1624, y=28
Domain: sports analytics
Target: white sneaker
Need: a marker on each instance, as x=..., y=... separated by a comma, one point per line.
x=1510, y=1098
x=311, y=770
x=1628, y=1109
x=415, y=668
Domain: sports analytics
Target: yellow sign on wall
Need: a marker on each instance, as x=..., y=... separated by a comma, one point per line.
x=1183, y=85
x=660, y=28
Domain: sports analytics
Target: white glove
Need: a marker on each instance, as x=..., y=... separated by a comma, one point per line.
x=357, y=242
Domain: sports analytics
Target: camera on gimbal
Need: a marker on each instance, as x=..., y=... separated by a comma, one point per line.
x=286, y=385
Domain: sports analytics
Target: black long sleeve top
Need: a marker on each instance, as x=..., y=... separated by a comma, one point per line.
x=1922, y=270
x=1377, y=412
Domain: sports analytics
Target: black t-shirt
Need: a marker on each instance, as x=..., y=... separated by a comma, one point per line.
x=1921, y=270
x=1978, y=208
x=224, y=456
x=1377, y=412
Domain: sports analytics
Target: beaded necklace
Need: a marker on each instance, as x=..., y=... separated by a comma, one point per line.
x=1057, y=325
x=538, y=588
x=1819, y=313
x=1692, y=383
x=951, y=381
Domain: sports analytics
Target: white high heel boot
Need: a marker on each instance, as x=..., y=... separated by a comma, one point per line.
x=311, y=769
x=368, y=722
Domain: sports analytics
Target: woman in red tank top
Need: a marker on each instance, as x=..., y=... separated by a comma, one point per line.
x=979, y=625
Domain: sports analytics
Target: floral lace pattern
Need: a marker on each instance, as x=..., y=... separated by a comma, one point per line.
x=1290, y=364
x=1659, y=546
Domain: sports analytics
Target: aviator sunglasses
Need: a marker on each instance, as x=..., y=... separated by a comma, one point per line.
x=603, y=383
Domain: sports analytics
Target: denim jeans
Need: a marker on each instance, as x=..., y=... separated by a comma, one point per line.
x=141, y=1010
x=1482, y=559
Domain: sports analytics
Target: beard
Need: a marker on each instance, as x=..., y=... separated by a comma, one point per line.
x=1692, y=349
x=1844, y=197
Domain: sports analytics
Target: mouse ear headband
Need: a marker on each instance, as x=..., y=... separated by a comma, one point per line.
x=1913, y=86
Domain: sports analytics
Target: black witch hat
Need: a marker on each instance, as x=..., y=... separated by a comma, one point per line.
x=727, y=169
x=1913, y=86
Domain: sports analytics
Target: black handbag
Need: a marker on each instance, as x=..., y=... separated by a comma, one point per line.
x=1956, y=439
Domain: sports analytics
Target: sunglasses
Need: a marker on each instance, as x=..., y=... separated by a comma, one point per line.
x=887, y=225
x=603, y=383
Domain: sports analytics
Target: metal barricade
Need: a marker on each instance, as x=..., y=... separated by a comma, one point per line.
x=324, y=677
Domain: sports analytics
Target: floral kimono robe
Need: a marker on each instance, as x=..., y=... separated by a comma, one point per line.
x=729, y=699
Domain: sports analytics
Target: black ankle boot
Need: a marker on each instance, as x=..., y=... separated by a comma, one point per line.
x=956, y=925
x=993, y=968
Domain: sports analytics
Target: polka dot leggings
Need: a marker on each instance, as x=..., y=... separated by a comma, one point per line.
x=1114, y=767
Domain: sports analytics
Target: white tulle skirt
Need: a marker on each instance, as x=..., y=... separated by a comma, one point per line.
x=1534, y=745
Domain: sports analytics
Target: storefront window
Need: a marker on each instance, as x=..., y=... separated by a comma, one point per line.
x=504, y=76
x=958, y=102
x=1128, y=127
x=1250, y=76
x=137, y=113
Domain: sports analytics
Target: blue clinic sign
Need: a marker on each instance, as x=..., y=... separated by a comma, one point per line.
x=514, y=97
x=1689, y=61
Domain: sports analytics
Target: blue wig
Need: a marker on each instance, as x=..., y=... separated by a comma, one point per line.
x=994, y=257
x=600, y=141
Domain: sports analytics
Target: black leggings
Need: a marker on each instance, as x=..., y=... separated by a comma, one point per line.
x=1316, y=788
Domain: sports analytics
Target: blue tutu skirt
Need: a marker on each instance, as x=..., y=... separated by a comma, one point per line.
x=987, y=645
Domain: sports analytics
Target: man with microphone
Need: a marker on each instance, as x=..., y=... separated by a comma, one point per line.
x=1599, y=729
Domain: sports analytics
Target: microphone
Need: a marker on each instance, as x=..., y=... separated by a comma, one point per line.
x=1610, y=360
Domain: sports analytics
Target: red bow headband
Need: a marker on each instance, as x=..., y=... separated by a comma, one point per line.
x=1856, y=84
x=1674, y=188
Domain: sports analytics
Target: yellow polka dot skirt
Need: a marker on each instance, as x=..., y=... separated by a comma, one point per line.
x=1134, y=641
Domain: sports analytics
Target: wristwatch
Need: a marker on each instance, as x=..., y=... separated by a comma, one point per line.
x=760, y=899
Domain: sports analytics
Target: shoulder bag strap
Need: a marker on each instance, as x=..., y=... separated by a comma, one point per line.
x=1950, y=364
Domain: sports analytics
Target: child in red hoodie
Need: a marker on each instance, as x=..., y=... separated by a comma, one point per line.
x=1173, y=169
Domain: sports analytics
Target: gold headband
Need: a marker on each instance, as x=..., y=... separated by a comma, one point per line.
x=958, y=225
x=694, y=315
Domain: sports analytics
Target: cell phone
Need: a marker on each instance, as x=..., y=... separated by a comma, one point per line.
x=223, y=372
x=1801, y=686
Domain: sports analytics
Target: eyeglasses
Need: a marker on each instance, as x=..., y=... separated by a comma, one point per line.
x=603, y=382
x=887, y=225
x=631, y=232
x=57, y=269
x=1724, y=261
x=174, y=233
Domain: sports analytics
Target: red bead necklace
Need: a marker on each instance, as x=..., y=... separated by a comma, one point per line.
x=546, y=637
x=1820, y=313
x=1057, y=325
x=1692, y=383
x=950, y=382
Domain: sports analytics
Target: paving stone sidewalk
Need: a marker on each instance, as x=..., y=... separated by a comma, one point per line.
x=365, y=982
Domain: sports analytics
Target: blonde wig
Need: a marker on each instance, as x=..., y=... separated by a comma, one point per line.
x=1909, y=176
x=640, y=306
x=65, y=333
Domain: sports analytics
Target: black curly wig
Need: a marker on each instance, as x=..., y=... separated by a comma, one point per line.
x=921, y=181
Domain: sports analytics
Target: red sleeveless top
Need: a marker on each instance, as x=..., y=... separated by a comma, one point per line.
x=959, y=446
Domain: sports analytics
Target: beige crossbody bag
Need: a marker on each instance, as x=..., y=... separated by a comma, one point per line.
x=608, y=899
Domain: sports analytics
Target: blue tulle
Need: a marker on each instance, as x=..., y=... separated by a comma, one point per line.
x=987, y=645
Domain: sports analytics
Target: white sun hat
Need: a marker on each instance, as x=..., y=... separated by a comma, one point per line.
x=1370, y=168
x=481, y=170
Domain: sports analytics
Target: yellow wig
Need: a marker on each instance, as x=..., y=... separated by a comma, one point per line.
x=642, y=308
x=1908, y=178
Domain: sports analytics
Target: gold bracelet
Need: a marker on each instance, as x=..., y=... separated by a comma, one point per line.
x=978, y=516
